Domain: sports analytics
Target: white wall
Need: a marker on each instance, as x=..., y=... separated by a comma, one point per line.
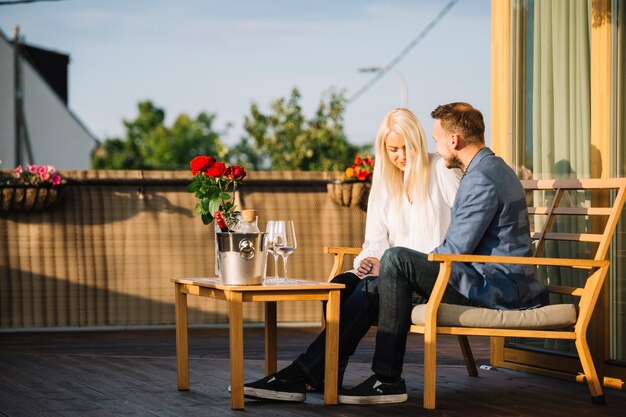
x=56, y=136
x=6, y=105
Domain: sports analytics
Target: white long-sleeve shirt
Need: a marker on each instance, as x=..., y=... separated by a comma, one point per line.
x=420, y=226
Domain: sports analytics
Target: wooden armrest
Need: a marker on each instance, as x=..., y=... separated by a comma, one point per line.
x=336, y=250
x=339, y=253
x=573, y=263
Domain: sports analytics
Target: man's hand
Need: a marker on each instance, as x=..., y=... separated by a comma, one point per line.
x=368, y=266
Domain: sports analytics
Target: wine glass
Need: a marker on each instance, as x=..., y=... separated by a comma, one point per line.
x=285, y=243
x=272, y=238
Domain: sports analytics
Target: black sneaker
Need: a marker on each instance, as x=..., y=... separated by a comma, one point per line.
x=342, y=370
x=372, y=391
x=272, y=388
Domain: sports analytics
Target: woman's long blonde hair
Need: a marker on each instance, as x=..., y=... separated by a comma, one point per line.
x=416, y=175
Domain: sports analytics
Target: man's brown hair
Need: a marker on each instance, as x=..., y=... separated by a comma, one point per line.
x=462, y=119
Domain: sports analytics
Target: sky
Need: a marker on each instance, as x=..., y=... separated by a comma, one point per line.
x=191, y=56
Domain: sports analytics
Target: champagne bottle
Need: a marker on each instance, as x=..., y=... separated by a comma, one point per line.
x=221, y=222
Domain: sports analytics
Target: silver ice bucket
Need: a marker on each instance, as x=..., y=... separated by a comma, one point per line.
x=242, y=257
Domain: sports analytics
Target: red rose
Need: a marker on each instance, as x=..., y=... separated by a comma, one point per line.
x=216, y=170
x=235, y=173
x=358, y=160
x=363, y=175
x=368, y=162
x=201, y=164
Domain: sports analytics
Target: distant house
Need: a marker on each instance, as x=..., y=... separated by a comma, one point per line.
x=56, y=136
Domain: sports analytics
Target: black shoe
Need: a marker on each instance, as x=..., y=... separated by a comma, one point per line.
x=372, y=391
x=272, y=388
x=342, y=370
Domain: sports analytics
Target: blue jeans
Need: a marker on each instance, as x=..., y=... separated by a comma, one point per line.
x=387, y=299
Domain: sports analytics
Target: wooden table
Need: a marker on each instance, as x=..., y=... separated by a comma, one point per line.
x=236, y=295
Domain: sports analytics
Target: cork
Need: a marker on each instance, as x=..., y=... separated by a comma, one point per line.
x=249, y=215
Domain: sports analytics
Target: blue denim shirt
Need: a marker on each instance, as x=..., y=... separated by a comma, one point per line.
x=490, y=217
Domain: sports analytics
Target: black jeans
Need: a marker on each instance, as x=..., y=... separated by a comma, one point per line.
x=350, y=280
x=388, y=300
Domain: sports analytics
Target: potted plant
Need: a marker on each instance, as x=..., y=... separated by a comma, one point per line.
x=354, y=187
x=35, y=187
x=214, y=184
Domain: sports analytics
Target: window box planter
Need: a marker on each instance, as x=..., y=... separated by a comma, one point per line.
x=349, y=194
x=28, y=198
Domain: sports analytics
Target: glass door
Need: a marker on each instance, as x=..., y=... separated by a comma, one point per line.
x=556, y=46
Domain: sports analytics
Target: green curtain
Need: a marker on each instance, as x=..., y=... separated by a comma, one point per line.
x=558, y=124
x=561, y=107
x=561, y=114
x=555, y=135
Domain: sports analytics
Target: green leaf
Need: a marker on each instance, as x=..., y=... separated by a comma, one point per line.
x=199, y=208
x=214, y=194
x=207, y=218
x=224, y=196
x=214, y=205
x=193, y=187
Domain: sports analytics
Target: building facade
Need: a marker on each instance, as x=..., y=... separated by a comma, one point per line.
x=54, y=134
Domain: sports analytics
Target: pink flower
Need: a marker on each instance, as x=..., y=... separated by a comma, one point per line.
x=43, y=173
x=34, y=175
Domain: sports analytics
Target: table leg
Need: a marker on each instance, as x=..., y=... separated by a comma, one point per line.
x=270, y=337
x=182, y=346
x=236, y=350
x=332, y=348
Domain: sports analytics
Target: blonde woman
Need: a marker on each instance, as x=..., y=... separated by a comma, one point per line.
x=409, y=205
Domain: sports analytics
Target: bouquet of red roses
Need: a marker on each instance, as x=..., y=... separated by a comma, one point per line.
x=214, y=183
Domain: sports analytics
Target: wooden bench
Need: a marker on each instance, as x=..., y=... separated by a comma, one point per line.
x=548, y=200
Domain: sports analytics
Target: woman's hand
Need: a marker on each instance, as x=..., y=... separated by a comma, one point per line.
x=368, y=266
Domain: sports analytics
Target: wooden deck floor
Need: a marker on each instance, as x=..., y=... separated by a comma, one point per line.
x=133, y=373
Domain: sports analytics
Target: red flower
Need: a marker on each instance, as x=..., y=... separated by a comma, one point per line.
x=358, y=160
x=216, y=170
x=235, y=172
x=363, y=175
x=368, y=162
x=201, y=164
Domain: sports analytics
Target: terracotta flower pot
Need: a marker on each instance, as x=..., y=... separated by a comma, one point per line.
x=349, y=194
x=25, y=198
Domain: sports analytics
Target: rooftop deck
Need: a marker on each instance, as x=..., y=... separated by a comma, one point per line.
x=134, y=373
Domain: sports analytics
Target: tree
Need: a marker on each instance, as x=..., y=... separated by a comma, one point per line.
x=245, y=154
x=149, y=144
x=290, y=141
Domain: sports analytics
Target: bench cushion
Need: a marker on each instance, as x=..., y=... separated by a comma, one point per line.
x=549, y=317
